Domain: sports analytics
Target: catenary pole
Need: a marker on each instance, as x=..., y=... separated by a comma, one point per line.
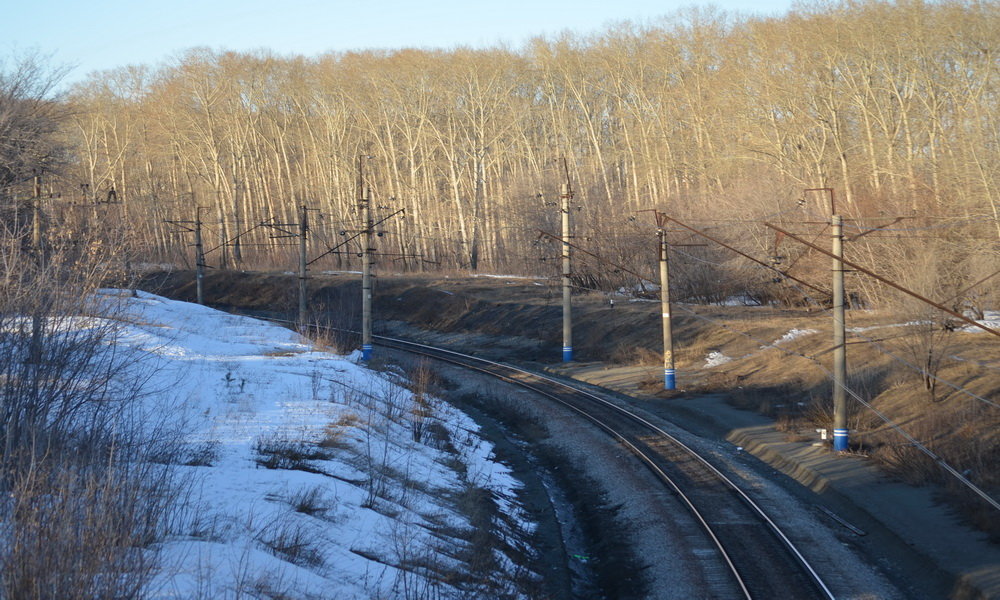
x=840, y=429
x=35, y=351
x=199, y=256
x=567, y=289
x=669, y=373
x=303, y=273
x=566, y=196
x=366, y=275
x=36, y=215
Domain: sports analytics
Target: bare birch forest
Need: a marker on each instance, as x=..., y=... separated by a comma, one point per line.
x=716, y=119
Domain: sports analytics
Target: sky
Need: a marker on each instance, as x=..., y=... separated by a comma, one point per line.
x=106, y=34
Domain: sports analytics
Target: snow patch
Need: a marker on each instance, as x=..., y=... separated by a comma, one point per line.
x=991, y=320
x=716, y=358
x=791, y=335
x=273, y=513
x=743, y=300
x=492, y=276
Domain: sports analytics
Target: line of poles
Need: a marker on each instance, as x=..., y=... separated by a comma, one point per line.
x=367, y=232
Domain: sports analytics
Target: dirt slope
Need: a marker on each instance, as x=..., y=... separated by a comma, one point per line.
x=521, y=319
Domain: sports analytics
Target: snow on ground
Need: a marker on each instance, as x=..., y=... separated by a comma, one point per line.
x=742, y=300
x=494, y=276
x=716, y=358
x=791, y=335
x=311, y=476
x=991, y=320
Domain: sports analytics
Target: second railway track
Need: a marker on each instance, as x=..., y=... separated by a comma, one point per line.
x=761, y=560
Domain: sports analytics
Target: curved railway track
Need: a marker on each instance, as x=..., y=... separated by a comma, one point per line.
x=761, y=559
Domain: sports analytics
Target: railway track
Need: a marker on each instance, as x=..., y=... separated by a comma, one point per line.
x=762, y=562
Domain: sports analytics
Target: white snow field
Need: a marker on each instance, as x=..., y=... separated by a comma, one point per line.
x=310, y=475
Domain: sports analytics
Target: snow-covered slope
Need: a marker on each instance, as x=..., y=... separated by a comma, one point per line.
x=309, y=475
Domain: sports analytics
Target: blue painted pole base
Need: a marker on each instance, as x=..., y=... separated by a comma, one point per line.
x=366, y=352
x=840, y=440
x=567, y=353
x=669, y=379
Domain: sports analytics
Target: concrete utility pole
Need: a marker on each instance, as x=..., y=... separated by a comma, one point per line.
x=669, y=373
x=366, y=274
x=303, y=275
x=840, y=430
x=35, y=351
x=36, y=215
x=567, y=195
x=224, y=249
x=237, y=198
x=199, y=256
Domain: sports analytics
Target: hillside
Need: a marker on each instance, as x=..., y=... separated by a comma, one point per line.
x=300, y=472
x=765, y=358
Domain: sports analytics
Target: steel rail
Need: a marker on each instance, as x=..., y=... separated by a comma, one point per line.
x=601, y=424
x=464, y=359
x=492, y=368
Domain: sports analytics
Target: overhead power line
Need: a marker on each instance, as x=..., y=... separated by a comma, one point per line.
x=890, y=283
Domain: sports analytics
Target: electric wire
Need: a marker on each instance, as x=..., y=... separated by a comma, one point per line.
x=925, y=228
x=892, y=424
x=885, y=351
x=923, y=371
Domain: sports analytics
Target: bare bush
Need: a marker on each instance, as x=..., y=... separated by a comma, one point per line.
x=82, y=503
x=422, y=408
x=274, y=451
x=933, y=272
x=290, y=539
x=77, y=530
x=311, y=501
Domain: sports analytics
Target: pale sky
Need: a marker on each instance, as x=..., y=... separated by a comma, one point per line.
x=105, y=34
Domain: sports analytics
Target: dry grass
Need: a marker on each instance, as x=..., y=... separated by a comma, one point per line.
x=793, y=386
x=627, y=354
x=962, y=430
x=335, y=433
x=278, y=452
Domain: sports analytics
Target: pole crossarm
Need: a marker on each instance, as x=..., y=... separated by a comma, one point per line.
x=182, y=225
x=889, y=283
x=600, y=258
x=281, y=227
x=233, y=240
x=357, y=234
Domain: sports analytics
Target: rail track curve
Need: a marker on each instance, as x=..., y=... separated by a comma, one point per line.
x=761, y=559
